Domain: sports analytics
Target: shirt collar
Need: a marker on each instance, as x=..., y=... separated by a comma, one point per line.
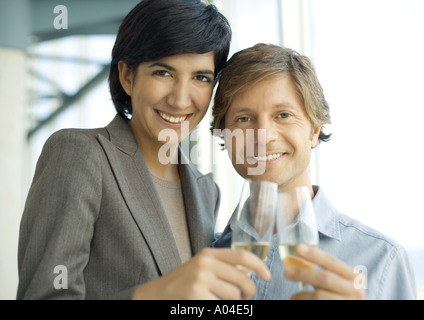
x=326, y=215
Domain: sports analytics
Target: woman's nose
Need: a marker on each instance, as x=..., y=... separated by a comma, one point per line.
x=180, y=95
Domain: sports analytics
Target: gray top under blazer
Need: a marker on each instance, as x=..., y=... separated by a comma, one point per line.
x=93, y=226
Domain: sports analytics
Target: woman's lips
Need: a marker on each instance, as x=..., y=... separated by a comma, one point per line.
x=173, y=119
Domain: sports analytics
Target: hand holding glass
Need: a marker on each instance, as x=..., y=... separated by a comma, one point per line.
x=295, y=224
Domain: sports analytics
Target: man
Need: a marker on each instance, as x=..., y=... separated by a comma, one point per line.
x=267, y=88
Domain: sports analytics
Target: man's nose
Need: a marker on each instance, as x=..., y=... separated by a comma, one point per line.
x=266, y=131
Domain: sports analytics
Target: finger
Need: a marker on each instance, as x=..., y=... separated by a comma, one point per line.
x=224, y=279
x=320, y=279
x=316, y=295
x=235, y=276
x=243, y=258
x=326, y=261
x=335, y=276
x=238, y=287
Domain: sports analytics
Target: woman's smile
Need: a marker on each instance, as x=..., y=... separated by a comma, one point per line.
x=173, y=120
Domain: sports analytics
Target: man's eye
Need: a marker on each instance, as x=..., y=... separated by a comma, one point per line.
x=284, y=115
x=243, y=119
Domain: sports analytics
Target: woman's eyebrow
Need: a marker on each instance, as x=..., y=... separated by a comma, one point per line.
x=168, y=67
x=163, y=65
x=205, y=72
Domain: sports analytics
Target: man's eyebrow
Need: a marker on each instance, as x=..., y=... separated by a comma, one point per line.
x=285, y=105
x=242, y=110
x=168, y=67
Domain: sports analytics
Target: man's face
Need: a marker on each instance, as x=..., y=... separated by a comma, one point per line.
x=271, y=106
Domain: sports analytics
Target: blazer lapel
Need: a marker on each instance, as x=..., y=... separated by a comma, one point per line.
x=199, y=203
x=138, y=190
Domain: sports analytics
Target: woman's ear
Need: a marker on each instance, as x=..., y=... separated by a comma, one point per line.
x=315, y=136
x=125, y=77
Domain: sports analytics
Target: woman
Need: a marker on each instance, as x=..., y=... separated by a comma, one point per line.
x=107, y=215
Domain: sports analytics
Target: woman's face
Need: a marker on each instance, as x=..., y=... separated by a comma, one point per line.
x=169, y=96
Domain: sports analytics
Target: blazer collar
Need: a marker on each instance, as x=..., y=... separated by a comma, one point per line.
x=121, y=135
x=199, y=205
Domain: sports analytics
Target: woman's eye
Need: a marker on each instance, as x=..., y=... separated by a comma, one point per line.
x=162, y=73
x=284, y=115
x=203, y=78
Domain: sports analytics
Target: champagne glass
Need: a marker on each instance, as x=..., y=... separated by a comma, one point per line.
x=255, y=215
x=296, y=224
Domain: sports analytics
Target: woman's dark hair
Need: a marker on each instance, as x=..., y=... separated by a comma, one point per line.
x=155, y=29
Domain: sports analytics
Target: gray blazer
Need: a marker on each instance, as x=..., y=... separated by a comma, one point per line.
x=93, y=226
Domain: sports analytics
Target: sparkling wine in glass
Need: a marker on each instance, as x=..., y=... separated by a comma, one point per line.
x=255, y=215
x=296, y=224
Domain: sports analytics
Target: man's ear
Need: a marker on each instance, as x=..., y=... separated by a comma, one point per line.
x=125, y=77
x=315, y=136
